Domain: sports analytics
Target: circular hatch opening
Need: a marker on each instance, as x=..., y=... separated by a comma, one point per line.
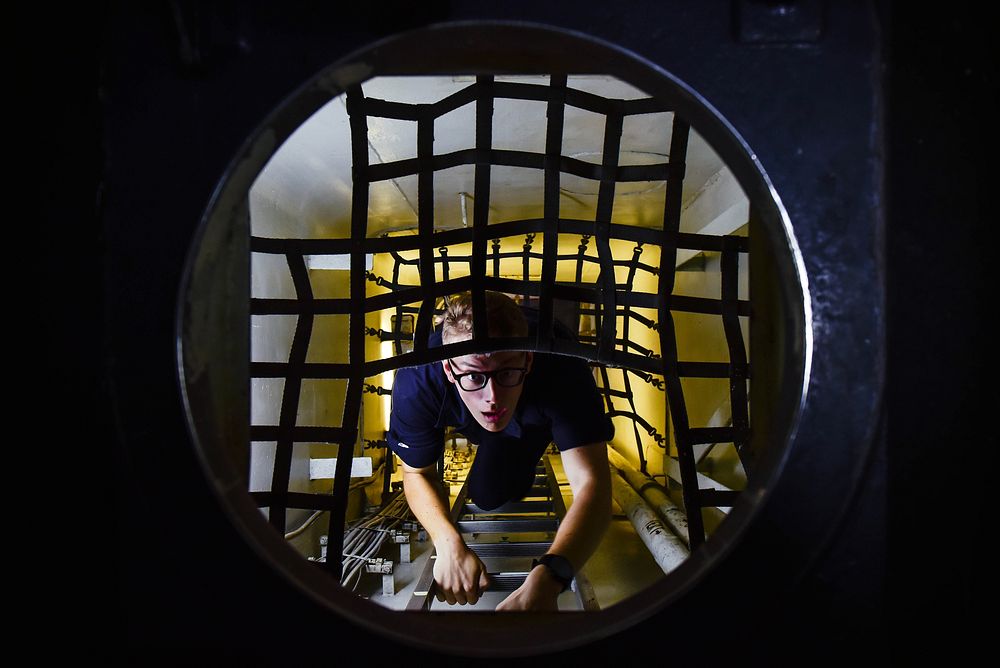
x=564, y=171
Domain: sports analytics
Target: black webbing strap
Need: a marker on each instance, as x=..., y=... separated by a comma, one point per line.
x=403, y=294
x=400, y=261
x=635, y=417
x=611, y=392
x=555, y=112
x=720, y=498
x=425, y=231
x=266, y=306
x=635, y=428
x=515, y=91
x=400, y=111
x=668, y=336
x=444, y=261
x=602, y=232
x=730, y=267
x=606, y=387
x=611, y=300
x=581, y=257
x=528, y=289
x=397, y=344
x=481, y=204
x=290, y=394
x=511, y=228
x=496, y=257
x=627, y=342
x=356, y=107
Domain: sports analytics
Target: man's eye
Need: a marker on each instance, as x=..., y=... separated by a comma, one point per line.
x=477, y=378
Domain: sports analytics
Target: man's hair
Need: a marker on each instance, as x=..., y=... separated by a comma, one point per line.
x=504, y=317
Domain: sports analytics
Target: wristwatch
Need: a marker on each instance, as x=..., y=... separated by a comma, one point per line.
x=558, y=566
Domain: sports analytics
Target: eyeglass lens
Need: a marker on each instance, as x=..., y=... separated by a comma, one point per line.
x=504, y=377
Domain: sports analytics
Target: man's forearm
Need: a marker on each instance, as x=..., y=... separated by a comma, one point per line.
x=580, y=531
x=429, y=504
x=587, y=519
x=582, y=528
x=459, y=573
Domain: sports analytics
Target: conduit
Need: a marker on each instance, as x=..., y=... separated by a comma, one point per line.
x=654, y=494
x=363, y=540
x=667, y=549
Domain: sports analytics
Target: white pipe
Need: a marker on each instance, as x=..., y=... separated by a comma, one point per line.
x=651, y=491
x=465, y=213
x=667, y=549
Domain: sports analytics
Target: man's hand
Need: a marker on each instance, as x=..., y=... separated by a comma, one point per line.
x=539, y=592
x=460, y=574
x=579, y=532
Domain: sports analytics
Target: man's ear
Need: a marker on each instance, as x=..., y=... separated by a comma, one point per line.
x=529, y=357
x=447, y=371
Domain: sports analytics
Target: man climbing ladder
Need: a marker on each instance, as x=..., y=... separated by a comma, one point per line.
x=511, y=404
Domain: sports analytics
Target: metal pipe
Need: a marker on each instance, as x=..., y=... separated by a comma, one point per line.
x=653, y=493
x=667, y=549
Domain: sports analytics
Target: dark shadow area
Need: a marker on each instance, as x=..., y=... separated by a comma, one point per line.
x=146, y=138
x=942, y=150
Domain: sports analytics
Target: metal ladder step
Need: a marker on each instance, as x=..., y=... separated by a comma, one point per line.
x=508, y=525
x=509, y=549
x=507, y=582
x=508, y=519
x=525, y=506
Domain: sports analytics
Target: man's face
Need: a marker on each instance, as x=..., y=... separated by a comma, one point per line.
x=493, y=405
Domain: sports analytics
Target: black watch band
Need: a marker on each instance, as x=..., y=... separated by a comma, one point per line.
x=558, y=565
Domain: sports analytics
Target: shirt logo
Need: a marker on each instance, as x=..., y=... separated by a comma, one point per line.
x=403, y=445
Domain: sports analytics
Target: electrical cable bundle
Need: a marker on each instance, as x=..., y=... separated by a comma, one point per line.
x=365, y=538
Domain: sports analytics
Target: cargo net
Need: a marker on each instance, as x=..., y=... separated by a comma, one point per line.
x=622, y=302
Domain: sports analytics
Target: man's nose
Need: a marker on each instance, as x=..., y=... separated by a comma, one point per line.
x=489, y=391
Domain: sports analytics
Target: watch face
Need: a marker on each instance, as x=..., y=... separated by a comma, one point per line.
x=559, y=566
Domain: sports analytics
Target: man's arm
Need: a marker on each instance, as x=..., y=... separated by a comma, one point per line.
x=580, y=531
x=460, y=574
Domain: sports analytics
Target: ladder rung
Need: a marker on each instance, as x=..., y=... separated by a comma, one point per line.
x=506, y=581
x=505, y=549
x=512, y=507
x=507, y=526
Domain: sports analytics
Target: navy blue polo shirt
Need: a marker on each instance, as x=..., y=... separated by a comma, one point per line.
x=560, y=402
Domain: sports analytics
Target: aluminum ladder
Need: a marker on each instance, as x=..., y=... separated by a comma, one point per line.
x=493, y=536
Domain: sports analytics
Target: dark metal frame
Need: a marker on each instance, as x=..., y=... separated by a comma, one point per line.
x=485, y=49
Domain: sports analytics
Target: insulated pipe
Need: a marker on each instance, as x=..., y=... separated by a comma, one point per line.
x=667, y=549
x=654, y=494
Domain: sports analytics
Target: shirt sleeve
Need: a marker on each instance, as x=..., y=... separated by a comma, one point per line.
x=577, y=412
x=416, y=404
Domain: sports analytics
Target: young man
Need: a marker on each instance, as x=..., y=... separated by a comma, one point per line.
x=512, y=404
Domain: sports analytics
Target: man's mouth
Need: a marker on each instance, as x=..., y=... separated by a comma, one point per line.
x=494, y=416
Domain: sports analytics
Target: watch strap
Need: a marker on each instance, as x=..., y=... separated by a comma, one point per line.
x=558, y=566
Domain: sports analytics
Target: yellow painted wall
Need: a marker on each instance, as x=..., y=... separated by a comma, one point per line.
x=700, y=337
x=649, y=400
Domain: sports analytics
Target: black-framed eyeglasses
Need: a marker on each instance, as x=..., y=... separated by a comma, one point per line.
x=476, y=380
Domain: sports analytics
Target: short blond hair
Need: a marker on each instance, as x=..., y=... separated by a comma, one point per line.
x=504, y=317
